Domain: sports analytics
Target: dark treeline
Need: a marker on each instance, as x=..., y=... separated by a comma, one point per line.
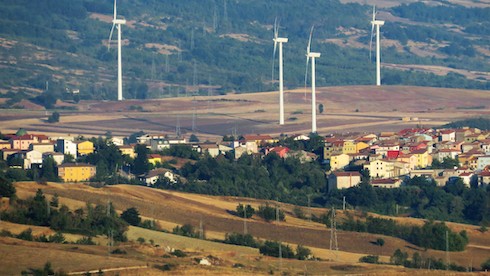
x=481, y=123
x=271, y=177
x=91, y=221
x=431, y=235
x=420, y=198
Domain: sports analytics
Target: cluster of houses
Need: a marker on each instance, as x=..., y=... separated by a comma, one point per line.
x=30, y=150
x=389, y=156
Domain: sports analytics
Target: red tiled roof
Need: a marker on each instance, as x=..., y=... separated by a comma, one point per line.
x=384, y=181
x=345, y=174
x=257, y=137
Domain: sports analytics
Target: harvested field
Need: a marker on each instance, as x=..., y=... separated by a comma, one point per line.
x=173, y=208
x=355, y=108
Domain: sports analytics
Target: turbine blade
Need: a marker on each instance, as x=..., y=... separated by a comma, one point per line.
x=371, y=42
x=372, y=34
x=276, y=28
x=274, y=60
x=275, y=49
x=110, y=37
x=306, y=72
x=309, y=40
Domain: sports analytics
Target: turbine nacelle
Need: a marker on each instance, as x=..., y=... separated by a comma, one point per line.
x=313, y=55
x=378, y=22
x=119, y=21
x=281, y=40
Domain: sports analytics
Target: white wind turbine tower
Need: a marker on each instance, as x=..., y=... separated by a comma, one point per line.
x=313, y=56
x=117, y=22
x=280, y=41
x=376, y=23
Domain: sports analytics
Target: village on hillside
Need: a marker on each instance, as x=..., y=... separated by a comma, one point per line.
x=388, y=158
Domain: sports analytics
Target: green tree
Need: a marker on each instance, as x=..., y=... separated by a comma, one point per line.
x=141, y=164
x=271, y=248
x=131, y=216
x=245, y=211
x=303, y=253
x=241, y=239
x=380, y=242
x=48, y=171
x=399, y=257
x=7, y=189
x=270, y=213
x=54, y=118
x=486, y=265
x=54, y=201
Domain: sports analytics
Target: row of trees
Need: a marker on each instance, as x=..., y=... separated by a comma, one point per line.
x=430, y=235
x=269, y=248
x=91, y=221
x=420, y=197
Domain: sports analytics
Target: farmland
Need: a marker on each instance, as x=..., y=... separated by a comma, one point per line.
x=346, y=109
x=173, y=208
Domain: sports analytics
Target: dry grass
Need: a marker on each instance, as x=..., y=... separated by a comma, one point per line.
x=378, y=109
x=20, y=255
x=173, y=208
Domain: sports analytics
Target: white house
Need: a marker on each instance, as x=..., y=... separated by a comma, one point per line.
x=152, y=176
x=159, y=144
x=33, y=157
x=118, y=141
x=343, y=180
x=66, y=147
x=446, y=153
x=386, y=183
x=482, y=162
x=447, y=135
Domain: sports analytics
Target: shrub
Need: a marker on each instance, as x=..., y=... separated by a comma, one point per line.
x=486, y=265
x=86, y=241
x=185, y=230
x=179, y=253
x=271, y=248
x=269, y=213
x=119, y=251
x=371, y=259
x=246, y=211
x=303, y=253
x=26, y=235
x=131, y=216
x=241, y=239
x=141, y=240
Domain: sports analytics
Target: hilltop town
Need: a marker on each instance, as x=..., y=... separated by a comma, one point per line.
x=389, y=157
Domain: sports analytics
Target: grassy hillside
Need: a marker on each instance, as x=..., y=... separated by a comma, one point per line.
x=209, y=47
x=173, y=208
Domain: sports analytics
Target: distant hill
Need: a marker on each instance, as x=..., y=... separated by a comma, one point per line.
x=205, y=47
x=481, y=123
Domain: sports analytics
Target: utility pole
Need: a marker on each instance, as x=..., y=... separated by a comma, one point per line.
x=333, y=234
x=343, y=204
x=309, y=207
x=280, y=246
x=447, y=251
x=201, y=230
x=244, y=220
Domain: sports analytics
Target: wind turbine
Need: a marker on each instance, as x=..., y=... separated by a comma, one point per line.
x=376, y=23
x=280, y=41
x=117, y=22
x=313, y=56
